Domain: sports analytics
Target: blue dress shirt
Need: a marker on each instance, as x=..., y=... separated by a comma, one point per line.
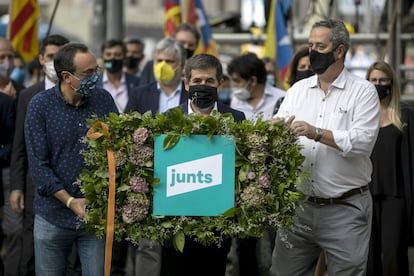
x=53, y=131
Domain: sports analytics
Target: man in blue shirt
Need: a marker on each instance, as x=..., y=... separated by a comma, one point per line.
x=55, y=125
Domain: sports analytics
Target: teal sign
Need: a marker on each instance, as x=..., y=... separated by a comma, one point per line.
x=196, y=176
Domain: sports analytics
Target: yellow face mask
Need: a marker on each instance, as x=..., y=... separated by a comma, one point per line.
x=163, y=72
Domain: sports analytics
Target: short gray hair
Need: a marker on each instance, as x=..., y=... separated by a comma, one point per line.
x=340, y=34
x=171, y=46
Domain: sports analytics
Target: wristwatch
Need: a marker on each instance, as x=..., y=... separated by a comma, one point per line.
x=319, y=133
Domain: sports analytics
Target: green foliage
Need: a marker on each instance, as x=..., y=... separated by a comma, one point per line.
x=268, y=169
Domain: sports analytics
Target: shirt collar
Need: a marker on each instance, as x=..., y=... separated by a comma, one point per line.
x=48, y=83
x=59, y=94
x=339, y=82
x=105, y=79
x=176, y=91
x=190, y=110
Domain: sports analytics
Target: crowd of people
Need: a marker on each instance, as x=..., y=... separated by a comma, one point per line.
x=355, y=134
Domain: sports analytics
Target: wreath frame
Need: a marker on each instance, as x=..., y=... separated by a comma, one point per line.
x=268, y=171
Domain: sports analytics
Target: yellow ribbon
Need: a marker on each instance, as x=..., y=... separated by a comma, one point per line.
x=98, y=130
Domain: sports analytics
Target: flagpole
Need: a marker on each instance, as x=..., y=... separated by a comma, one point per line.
x=49, y=28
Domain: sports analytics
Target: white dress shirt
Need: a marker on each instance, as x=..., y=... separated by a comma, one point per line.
x=120, y=94
x=265, y=107
x=351, y=110
x=169, y=101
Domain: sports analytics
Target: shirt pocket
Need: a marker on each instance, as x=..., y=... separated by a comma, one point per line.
x=339, y=120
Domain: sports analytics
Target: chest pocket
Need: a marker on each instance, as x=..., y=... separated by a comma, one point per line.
x=340, y=119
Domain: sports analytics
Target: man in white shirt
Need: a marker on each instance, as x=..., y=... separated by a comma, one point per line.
x=113, y=79
x=250, y=92
x=336, y=118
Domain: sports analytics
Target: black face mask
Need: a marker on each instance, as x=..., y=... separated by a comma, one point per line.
x=383, y=90
x=303, y=74
x=113, y=65
x=320, y=61
x=189, y=53
x=203, y=96
x=132, y=62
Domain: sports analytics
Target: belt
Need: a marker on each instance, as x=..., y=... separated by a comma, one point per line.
x=338, y=200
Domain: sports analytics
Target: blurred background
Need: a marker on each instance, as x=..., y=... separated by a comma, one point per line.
x=379, y=28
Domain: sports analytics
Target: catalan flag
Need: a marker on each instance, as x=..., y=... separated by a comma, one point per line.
x=196, y=15
x=277, y=44
x=23, y=28
x=172, y=16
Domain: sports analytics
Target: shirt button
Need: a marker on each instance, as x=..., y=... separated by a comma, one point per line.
x=313, y=147
x=320, y=116
x=311, y=164
x=323, y=100
x=80, y=124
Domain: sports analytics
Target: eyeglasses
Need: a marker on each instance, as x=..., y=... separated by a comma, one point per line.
x=89, y=73
x=380, y=80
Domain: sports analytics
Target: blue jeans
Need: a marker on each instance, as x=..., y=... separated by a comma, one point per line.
x=53, y=246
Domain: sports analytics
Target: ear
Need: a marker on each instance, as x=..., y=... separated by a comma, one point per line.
x=186, y=85
x=41, y=60
x=65, y=76
x=253, y=80
x=341, y=51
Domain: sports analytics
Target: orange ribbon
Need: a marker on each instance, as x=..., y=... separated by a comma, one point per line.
x=93, y=134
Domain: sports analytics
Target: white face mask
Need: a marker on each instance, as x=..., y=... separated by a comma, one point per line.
x=241, y=93
x=50, y=71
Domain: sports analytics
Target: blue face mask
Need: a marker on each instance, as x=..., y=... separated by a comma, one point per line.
x=87, y=86
x=225, y=96
x=18, y=75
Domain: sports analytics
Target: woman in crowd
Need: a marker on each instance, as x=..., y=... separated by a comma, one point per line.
x=391, y=184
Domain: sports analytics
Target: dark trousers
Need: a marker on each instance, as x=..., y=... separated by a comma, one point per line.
x=246, y=253
x=196, y=259
x=389, y=238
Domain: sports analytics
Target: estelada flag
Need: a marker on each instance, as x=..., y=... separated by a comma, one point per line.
x=23, y=28
x=172, y=16
x=277, y=44
x=197, y=16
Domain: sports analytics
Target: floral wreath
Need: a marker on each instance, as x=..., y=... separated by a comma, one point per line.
x=267, y=169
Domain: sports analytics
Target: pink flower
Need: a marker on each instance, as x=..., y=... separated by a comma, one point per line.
x=143, y=154
x=264, y=181
x=138, y=184
x=136, y=209
x=140, y=135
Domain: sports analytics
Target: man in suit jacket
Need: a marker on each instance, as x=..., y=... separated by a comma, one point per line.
x=113, y=79
x=166, y=92
x=188, y=36
x=203, y=75
x=20, y=244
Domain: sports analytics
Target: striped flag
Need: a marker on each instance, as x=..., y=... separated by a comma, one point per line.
x=172, y=17
x=23, y=28
x=277, y=44
x=196, y=15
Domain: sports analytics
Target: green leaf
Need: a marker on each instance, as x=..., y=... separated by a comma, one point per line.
x=123, y=188
x=179, y=241
x=230, y=213
x=243, y=173
x=170, y=141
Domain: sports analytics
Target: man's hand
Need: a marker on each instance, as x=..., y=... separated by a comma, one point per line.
x=78, y=206
x=17, y=201
x=302, y=128
x=288, y=122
